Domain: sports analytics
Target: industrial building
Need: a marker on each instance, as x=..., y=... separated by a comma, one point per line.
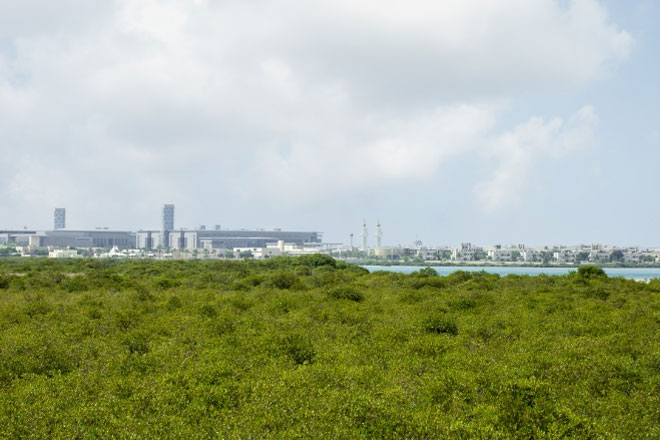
x=216, y=238
x=20, y=237
x=165, y=238
x=101, y=238
x=98, y=238
x=224, y=239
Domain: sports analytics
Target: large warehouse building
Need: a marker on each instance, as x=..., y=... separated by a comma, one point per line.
x=224, y=239
x=98, y=238
x=164, y=238
x=216, y=238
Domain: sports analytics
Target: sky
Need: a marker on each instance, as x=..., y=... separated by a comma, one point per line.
x=516, y=121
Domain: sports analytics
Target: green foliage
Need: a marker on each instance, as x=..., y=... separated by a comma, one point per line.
x=351, y=293
x=174, y=302
x=617, y=255
x=299, y=349
x=317, y=260
x=587, y=272
x=208, y=311
x=5, y=251
x=427, y=272
x=167, y=283
x=440, y=324
x=582, y=256
x=248, y=282
x=74, y=284
x=246, y=255
x=316, y=348
x=282, y=280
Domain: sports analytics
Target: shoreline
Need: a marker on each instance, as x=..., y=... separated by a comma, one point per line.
x=435, y=263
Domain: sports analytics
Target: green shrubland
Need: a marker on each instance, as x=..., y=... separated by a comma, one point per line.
x=314, y=348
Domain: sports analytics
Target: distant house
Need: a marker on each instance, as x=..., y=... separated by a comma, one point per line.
x=600, y=256
x=63, y=253
x=466, y=252
x=564, y=256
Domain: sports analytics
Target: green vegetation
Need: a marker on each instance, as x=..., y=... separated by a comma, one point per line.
x=314, y=348
x=7, y=251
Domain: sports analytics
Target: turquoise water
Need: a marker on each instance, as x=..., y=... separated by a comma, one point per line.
x=636, y=273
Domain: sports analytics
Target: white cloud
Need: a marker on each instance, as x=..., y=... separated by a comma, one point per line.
x=378, y=150
x=313, y=98
x=518, y=150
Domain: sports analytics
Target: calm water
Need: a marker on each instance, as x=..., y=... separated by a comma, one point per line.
x=636, y=273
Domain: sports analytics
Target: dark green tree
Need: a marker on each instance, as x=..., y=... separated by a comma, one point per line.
x=246, y=254
x=480, y=255
x=547, y=257
x=588, y=272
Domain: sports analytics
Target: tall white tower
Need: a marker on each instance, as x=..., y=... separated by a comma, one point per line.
x=379, y=235
x=364, y=236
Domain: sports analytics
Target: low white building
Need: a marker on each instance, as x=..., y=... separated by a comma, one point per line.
x=279, y=248
x=466, y=252
x=500, y=254
x=531, y=255
x=258, y=253
x=631, y=255
x=599, y=256
x=564, y=256
x=63, y=253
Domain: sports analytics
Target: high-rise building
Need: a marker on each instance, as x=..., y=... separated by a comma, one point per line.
x=167, y=225
x=60, y=218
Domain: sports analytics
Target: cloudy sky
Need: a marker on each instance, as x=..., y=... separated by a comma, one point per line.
x=461, y=120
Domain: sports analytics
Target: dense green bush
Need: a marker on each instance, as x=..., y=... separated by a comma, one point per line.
x=248, y=282
x=299, y=349
x=315, y=348
x=317, y=260
x=440, y=324
x=351, y=293
x=588, y=271
x=283, y=280
x=427, y=272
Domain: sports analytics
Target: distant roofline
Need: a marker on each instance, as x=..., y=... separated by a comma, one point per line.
x=87, y=230
x=230, y=230
x=18, y=231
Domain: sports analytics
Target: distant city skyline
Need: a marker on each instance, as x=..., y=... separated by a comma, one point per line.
x=368, y=241
x=541, y=126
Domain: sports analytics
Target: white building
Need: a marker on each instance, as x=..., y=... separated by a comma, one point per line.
x=599, y=256
x=564, y=256
x=63, y=253
x=500, y=254
x=531, y=255
x=466, y=252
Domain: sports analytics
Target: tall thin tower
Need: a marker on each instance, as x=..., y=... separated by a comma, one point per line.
x=59, y=218
x=379, y=235
x=364, y=236
x=167, y=225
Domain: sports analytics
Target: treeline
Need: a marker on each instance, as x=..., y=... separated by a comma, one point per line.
x=311, y=347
